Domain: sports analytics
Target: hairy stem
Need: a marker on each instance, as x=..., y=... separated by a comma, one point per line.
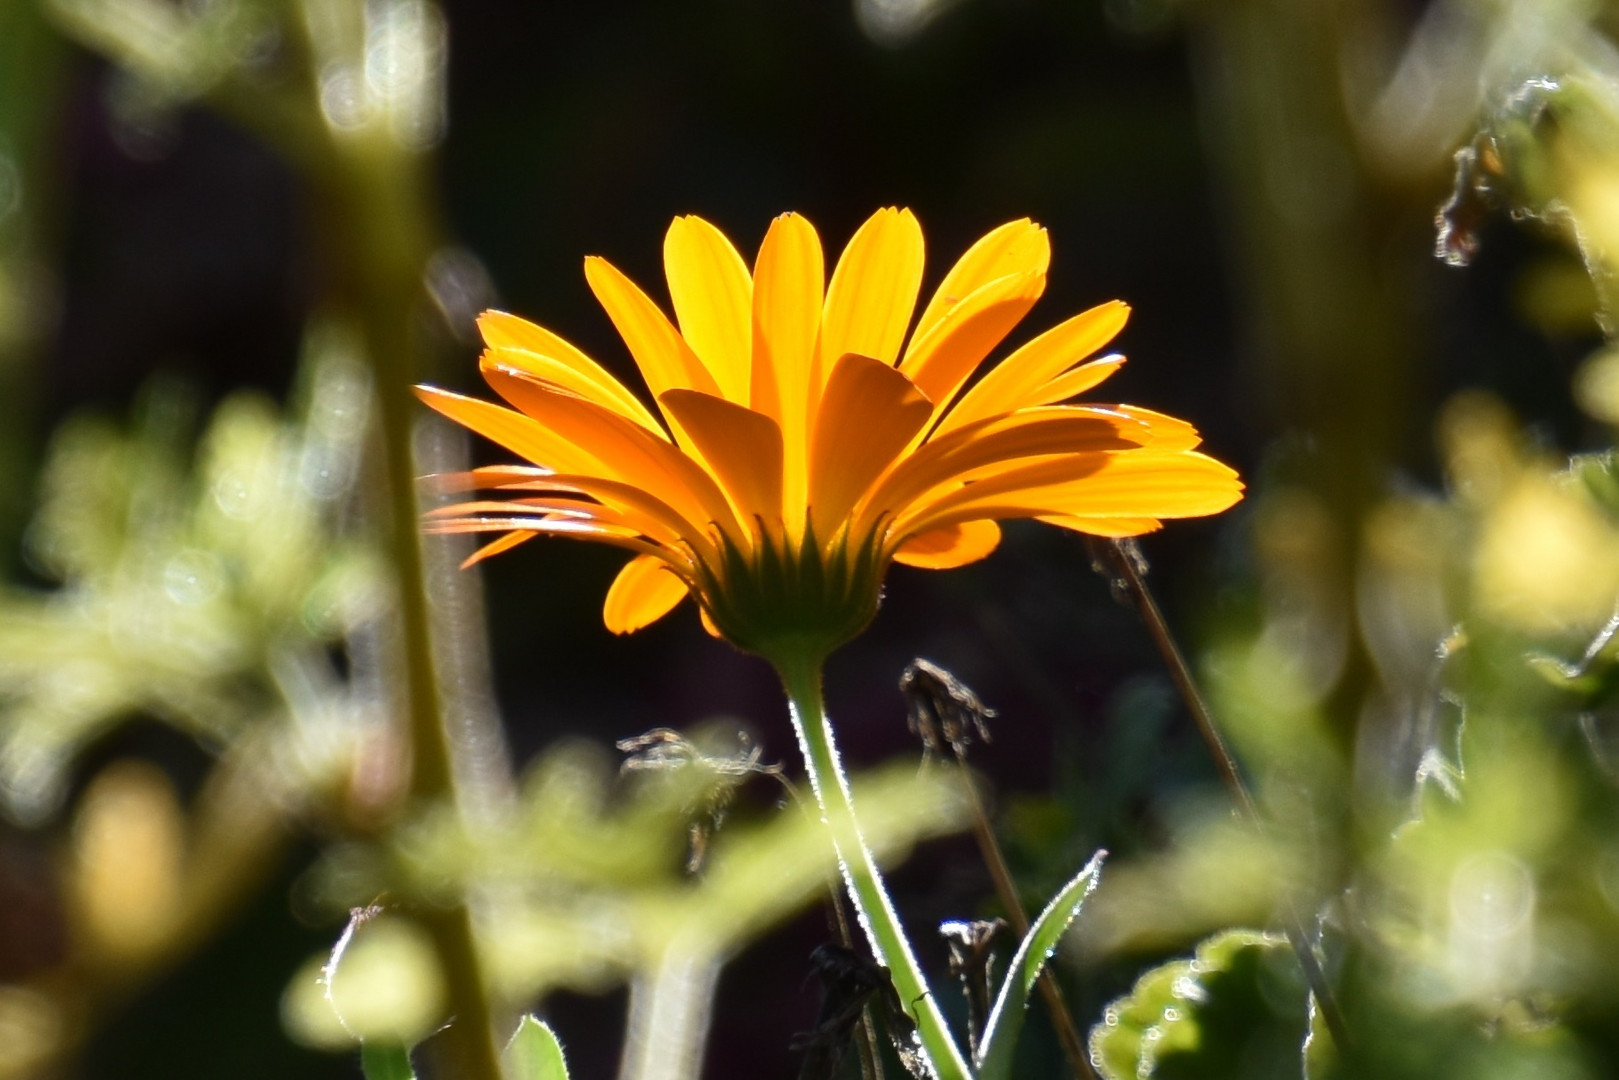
x=801, y=677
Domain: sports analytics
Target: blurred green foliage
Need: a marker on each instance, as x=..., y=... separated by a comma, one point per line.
x=201, y=582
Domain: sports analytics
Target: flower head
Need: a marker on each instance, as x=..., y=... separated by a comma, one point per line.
x=802, y=440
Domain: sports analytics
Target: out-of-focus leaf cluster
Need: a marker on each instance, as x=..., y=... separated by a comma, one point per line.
x=203, y=585
x=586, y=882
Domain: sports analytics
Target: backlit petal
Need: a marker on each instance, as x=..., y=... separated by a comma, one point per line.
x=498, y=545
x=1136, y=484
x=1014, y=381
x=788, y=282
x=1168, y=433
x=873, y=291
x=713, y=299
x=1016, y=247
x=526, y=347
x=950, y=547
x=518, y=433
x=642, y=593
x=665, y=360
x=942, y=359
x=624, y=449
x=1075, y=382
x=743, y=449
x=1114, y=527
x=1001, y=444
x=869, y=415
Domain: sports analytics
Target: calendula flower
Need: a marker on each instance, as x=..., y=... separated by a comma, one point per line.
x=804, y=434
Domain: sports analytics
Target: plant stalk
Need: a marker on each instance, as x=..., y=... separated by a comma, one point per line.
x=1125, y=569
x=801, y=678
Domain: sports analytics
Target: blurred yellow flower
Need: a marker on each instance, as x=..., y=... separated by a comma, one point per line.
x=803, y=440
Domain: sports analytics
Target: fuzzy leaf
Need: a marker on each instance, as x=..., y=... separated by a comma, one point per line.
x=534, y=1053
x=1236, y=1008
x=1006, y=1019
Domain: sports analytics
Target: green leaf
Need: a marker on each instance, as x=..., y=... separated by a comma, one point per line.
x=385, y=1061
x=1237, y=1008
x=534, y=1053
x=1006, y=1018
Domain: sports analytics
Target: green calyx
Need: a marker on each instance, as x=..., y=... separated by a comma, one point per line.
x=792, y=597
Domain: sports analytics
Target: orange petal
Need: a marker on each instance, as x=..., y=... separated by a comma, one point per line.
x=873, y=291
x=1002, y=444
x=940, y=360
x=950, y=547
x=1014, y=248
x=624, y=449
x=484, y=476
x=665, y=360
x=742, y=447
x=1015, y=381
x=1166, y=432
x=1137, y=484
x=498, y=545
x=789, y=280
x=1115, y=527
x=521, y=434
x=644, y=592
x=713, y=298
x=523, y=346
x=869, y=415
x=1077, y=381
x=578, y=530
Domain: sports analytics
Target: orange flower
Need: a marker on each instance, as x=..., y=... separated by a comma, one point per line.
x=802, y=440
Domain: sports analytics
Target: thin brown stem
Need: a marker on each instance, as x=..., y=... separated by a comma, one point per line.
x=1073, y=1045
x=1124, y=567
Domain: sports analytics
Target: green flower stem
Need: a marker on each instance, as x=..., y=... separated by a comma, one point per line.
x=801, y=677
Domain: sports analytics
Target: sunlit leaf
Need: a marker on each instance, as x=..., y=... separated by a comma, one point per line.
x=534, y=1053
x=1006, y=1019
x=1236, y=1009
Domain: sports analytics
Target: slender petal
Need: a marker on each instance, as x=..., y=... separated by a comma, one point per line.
x=517, y=344
x=1015, y=381
x=626, y=452
x=950, y=547
x=788, y=282
x=665, y=360
x=869, y=415
x=742, y=447
x=642, y=593
x=516, y=432
x=1016, y=247
x=713, y=298
x=998, y=445
x=1141, y=484
x=942, y=359
x=873, y=291
x=498, y=545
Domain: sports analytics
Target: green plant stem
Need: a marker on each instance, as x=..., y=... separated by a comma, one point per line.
x=670, y=1002
x=386, y=270
x=801, y=678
